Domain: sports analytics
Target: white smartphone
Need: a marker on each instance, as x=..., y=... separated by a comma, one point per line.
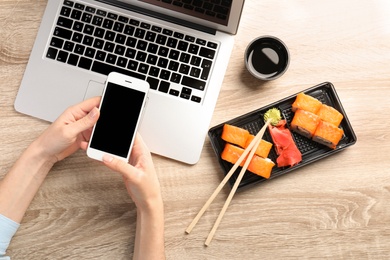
x=121, y=108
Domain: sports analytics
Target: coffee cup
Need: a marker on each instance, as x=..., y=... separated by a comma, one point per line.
x=267, y=58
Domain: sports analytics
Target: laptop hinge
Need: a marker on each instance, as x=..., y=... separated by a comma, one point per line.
x=164, y=17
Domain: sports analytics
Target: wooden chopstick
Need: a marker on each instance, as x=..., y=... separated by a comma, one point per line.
x=252, y=147
x=257, y=140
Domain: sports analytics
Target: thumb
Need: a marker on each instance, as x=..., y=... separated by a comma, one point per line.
x=118, y=165
x=86, y=122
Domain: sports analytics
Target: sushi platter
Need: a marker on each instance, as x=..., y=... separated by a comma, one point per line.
x=311, y=151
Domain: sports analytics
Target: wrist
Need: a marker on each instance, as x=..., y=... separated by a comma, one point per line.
x=151, y=207
x=37, y=156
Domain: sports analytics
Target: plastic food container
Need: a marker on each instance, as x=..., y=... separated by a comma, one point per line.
x=311, y=151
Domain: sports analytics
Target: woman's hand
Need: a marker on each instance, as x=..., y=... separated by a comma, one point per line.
x=139, y=175
x=70, y=132
x=143, y=187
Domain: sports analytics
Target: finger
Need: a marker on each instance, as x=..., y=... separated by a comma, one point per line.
x=139, y=147
x=83, y=108
x=85, y=123
x=118, y=165
x=90, y=103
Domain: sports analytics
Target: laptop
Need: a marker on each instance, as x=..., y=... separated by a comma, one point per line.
x=181, y=47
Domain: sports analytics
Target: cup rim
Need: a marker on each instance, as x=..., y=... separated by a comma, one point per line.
x=250, y=47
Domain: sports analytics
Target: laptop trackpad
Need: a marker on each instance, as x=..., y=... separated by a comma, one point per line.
x=94, y=89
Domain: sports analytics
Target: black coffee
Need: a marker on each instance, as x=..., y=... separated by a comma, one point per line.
x=268, y=57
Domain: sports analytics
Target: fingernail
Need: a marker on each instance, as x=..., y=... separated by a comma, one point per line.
x=93, y=112
x=107, y=158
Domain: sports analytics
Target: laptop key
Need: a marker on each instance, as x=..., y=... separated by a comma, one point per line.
x=111, y=58
x=65, y=11
x=97, y=20
x=62, y=56
x=77, y=37
x=68, y=3
x=89, y=52
x=194, y=72
x=164, y=86
x=153, y=82
x=100, y=55
x=207, y=53
x=143, y=68
x=56, y=42
x=132, y=65
x=88, y=29
x=79, y=49
x=174, y=92
x=73, y=59
x=98, y=44
x=154, y=71
x=51, y=53
x=85, y=63
x=196, y=99
x=99, y=32
x=193, y=83
x=107, y=23
x=86, y=17
x=121, y=62
x=165, y=74
x=175, y=78
x=76, y=14
x=68, y=46
x=118, y=27
x=63, y=33
x=65, y=22
x=78, y=26
x=79, y=6
x=206, y=66
x=185, y=93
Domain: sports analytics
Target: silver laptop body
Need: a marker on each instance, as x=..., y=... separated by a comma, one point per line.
x=184, y=89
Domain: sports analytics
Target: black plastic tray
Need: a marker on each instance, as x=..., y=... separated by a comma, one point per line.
x=311, y=151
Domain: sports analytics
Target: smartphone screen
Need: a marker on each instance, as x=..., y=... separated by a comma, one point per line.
x=119, y=113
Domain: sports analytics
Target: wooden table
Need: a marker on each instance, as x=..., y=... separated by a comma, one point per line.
x=336, y=208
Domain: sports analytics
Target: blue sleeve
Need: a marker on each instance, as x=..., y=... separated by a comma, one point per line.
x=8, y=229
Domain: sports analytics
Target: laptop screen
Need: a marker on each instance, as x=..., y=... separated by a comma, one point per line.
x=223, y=15
x=216, y=11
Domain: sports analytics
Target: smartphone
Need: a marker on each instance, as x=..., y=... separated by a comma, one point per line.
x=121, y=109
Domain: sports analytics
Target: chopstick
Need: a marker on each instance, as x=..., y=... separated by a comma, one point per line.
x=251, y=150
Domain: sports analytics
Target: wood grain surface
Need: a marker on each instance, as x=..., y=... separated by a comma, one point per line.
x=336, y=208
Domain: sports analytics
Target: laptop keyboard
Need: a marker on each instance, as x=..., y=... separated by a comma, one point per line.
x=101, y=41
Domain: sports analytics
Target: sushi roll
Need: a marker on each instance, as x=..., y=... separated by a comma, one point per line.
x=263, y=149
x=231, y=153
x=330, y=115
x=305, y=123
x=328, y=134
x=234, y=135
x=260, y=166
x=306, y=102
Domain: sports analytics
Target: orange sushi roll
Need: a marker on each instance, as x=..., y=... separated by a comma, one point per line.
x=305, y=123
x=330, y=114
x=235, y=135
x=306, y=102
x=260, y=166
x=263, y=149
x=232, y=153
x=328, y=134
